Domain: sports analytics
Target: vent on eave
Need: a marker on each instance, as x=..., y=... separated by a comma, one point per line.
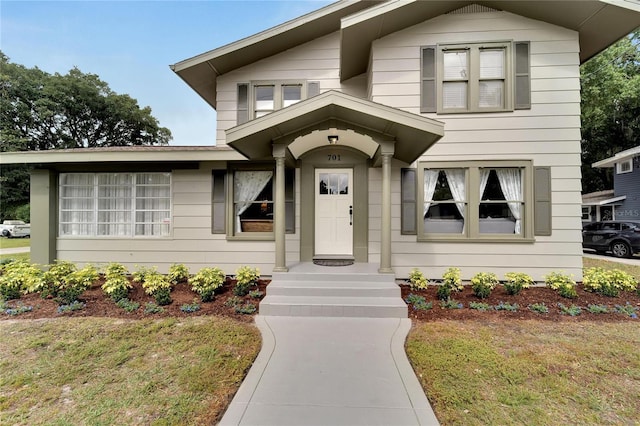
x=472, y=8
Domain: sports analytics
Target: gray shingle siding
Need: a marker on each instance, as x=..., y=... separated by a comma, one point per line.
x=628, y=184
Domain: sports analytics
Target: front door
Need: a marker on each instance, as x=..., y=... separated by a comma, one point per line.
x=334, y=212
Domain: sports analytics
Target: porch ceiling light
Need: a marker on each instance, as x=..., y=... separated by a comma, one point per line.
x=333, y=139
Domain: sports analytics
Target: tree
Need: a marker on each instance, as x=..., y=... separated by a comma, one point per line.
x=42, y=111
x=610, y=84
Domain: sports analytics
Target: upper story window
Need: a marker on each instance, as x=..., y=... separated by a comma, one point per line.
x=478, y=77
x=260, y=98
x=625, y=166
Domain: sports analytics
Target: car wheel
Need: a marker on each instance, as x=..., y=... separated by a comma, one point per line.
x=621, y=249
x=6, y=233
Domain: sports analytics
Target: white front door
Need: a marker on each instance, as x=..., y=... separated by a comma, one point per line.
x=334, y=212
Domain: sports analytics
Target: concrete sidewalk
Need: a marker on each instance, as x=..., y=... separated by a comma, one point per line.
x=15, y=250
x=331, y=371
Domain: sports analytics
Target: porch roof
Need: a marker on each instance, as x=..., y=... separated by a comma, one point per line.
x=601, y=198
x=412, y=134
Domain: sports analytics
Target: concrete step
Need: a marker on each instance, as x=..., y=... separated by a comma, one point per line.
x=352, y=277
x=332, y=306
x=336, y=289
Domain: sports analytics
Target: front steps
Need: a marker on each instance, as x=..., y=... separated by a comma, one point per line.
x=320, y=291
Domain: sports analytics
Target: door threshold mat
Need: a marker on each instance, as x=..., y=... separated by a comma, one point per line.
x=332, y=262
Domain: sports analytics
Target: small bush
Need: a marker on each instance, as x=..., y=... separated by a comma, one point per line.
x=53, y=279
x=598, y=309
x=419, y=303
x=20, y=309
x=515, y=282
x=248, y=308
x=627, y=309
x=572, y=310
x=178, y=273
x=233, y=301
x=152, y=308
x=128, y=305
x=503, y=306
x=451, y=281
x=141, y=273
x=206, y=282
x=19, y=277
x=190, y=307
x=73, y=306
x=116, y=284
x=76, y=283
x=451, y=304
x=479, y=306
x=157, y=285
x=563, y=284
x=247, y=275
x=417, y=280
x=483, y=283
x=608, y=282
x=540, y=308
x=256, y=294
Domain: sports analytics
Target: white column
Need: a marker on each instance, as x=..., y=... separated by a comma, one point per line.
x=387, y=150
x=279, y=225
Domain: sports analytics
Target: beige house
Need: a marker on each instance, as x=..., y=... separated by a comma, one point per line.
x=405, y=134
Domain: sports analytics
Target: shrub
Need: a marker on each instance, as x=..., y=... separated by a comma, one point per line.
x=451, y=281
x=128, y=305
x=479, y=306
x=73, y=306
x=540, y=308
x=152, y=308
x=178, y=273
x=206, y=282
x=248, y=308
x=515, y=282
x=256, y=294
x=483, y=283
x=247, y=275
x=419, y=303
x=116, y=284
x=598, y=309
x=233, y=301
x=503, y=306
x=20, y=309
x=451, y=304
x=563, y=284
x=141, y=273
x=608, y=282
x=572, y=310
x=19, y=277
x=417, y=280
x=627, y=309
x=190, y=307
x=74, y=284
x=157, y=285
x=53, y=279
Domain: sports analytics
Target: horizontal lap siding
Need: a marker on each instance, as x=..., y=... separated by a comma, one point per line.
x=191, y=242
x=548, y=134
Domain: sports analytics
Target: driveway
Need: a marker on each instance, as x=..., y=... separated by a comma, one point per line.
x=635, y=260
x=15, y=250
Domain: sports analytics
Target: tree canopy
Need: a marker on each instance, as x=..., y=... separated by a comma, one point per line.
x=42, y=111
x=610, y=84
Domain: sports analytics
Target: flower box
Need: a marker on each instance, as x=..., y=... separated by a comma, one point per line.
x=256, y=225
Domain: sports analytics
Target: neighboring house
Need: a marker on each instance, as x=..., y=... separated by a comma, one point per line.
x=623, y=202
x=407, y=134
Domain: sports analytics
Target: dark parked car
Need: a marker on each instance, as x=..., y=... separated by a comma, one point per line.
x=620, y=237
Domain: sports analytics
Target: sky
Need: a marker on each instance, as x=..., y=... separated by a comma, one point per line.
x=130, y=45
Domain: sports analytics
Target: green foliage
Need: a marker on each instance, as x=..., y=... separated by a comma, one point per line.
x=116, y=284
x=419, y=303
x=451, y=304
x=505, y=306
x=597, y=309
x=53, y=279
x=483, y=283
x=20, y=309
x=563, y=284
x=206, y=282
x=74, y=284
x=515, y=282
x=248, y=308
x=19, y=277
x=233, y=301
x=540, y=308
x=152, y=308
x=256, y=294
x=417, y=280
x=479, y=306
x=451, y=281
x=572, y=310
x=178, y=272
x=608, y=282
x=247, y=275
x=141, y=272
x=70, y=307
x=627, y=309
x=190, y=307
x=128, y=305
x=157, y=285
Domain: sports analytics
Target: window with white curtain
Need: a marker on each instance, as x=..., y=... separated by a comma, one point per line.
x=115, y=204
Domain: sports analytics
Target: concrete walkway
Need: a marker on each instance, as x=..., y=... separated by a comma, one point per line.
x=331, y=371
x=15, y=250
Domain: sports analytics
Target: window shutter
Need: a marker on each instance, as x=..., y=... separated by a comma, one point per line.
x=542, y=203
x=289, y=197
x=523, y=76
x=313, y=88
x=218, y=203
x=428, y=80
x=243, y=103
x=408, y=207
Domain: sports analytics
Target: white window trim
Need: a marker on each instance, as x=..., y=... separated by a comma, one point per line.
x=277, y=101
x=473, y=88
x=473, y=198
x=619, y=166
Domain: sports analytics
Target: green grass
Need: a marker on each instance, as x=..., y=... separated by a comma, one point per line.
x=100, y=371
x=529, y=372
x=14, y=242
x=17, y=256
x=634, y=270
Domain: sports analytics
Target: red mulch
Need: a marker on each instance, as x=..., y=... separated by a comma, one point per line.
x=524, y=299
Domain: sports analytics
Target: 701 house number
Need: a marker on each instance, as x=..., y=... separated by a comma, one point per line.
x=333, y=157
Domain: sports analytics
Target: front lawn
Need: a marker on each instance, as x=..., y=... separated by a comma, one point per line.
x=103, y=371
x=6, y=243
x=529, y=372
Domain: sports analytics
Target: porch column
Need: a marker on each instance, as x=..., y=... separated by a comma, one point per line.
x=279, y=228
x=44, y=223
x=386, y=152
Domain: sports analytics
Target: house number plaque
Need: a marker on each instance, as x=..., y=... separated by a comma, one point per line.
x=333, y=157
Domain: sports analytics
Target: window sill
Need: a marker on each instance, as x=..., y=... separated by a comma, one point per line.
x=252, y=236
x=446, y=238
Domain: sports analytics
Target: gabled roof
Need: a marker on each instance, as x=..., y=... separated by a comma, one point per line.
x=599, y=23
x=619, y=157
x=412, y=134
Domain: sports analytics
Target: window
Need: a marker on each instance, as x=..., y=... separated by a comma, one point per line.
x=625, y=166
x=476, y=200
x=586, y=213
x=267, y=97
x=475, y=77
x=252, y=199
x=115, y=204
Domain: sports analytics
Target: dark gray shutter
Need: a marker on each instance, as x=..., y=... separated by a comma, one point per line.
x=243, y=103
x=542, y=201
x=313, y=88
x=408, y=207
x=218, y=202
x=428, y=80
x=289, y=200
x=523, y=76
